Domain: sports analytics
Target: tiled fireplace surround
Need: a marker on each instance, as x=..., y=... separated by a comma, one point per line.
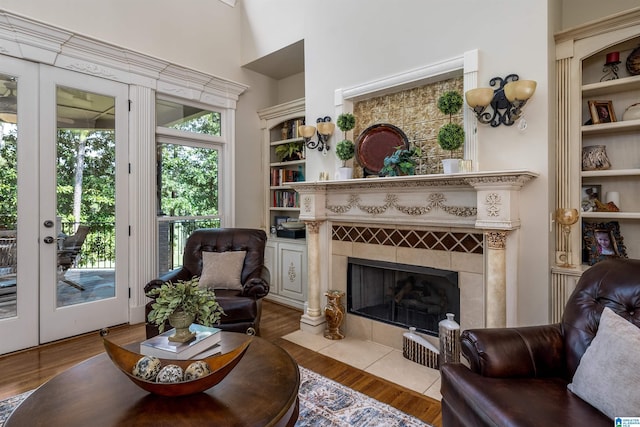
x=458, y=222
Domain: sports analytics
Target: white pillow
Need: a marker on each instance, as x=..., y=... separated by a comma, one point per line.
x=608, y=376
x=222, y=270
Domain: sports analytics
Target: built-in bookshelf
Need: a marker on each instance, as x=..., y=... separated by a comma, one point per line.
x=597, y=156
x=285, y=162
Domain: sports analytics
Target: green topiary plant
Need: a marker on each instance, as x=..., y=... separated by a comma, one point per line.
x=345, y=149
x=186, y=296
x=451, y=135
x=346, y=122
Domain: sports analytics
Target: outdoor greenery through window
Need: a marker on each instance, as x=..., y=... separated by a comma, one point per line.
x=86, y=191
x=188, y=179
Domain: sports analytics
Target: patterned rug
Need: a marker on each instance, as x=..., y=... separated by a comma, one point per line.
x=323, y=402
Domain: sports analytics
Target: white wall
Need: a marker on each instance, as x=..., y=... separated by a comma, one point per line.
x=291, y=88
x=577, y=12
x=270, y=25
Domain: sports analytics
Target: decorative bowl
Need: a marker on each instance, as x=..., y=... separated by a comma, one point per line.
x=220, y=365
x=293, y=225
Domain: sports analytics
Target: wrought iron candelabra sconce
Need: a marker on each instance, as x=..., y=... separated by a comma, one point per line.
x=324, y=129
x=610, y=68
x=502, y=105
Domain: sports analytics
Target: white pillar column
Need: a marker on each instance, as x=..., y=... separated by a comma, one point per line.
x=496, y=279
x=313, y=321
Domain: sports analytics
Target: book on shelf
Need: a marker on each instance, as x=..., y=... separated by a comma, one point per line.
x=160, y=346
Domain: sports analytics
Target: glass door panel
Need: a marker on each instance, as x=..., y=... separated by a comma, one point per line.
x=86, y=182
x=18, y=196
x=8, y=196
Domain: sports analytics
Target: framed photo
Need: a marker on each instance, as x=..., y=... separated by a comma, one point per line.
x=601, y=241
x=279, y=220
x=602, y=112
x=590, y=193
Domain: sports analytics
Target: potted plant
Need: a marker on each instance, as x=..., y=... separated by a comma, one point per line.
x=183, y=303
x=290, y=151
x=345, y=149
x=402, y=162
x=451, y=135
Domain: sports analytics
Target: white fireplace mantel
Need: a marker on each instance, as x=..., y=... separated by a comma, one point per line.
x=488, y=201
x=483, y=200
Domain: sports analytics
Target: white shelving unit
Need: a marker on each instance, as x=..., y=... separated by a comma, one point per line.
x=286, y=258
x=580, y=58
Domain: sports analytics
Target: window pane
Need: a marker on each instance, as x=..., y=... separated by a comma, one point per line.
x=85, y=193
x=8, y=196
x=187, y=118
x=188, y=180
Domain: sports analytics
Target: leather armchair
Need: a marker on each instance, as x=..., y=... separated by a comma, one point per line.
x=519, y=376
x=242, y=308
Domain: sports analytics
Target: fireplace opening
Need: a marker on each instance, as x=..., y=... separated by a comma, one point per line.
x=401, y=294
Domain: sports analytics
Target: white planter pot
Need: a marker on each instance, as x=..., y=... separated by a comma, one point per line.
x=450, y=165
x=345, y=173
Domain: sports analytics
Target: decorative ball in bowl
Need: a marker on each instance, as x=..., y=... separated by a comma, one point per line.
x=197, y=377
x=293, y=225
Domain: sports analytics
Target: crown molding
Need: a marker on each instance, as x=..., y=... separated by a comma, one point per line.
x=24, y=38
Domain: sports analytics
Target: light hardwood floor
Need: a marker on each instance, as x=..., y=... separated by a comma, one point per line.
x=25, y=370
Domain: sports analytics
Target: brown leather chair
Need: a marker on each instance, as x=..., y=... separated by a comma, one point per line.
x=519, y=376
x=242, y=308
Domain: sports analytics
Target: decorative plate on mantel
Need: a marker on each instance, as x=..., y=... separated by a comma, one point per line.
x=377, y=142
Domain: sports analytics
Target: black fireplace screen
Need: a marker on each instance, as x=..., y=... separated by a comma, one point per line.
x=401, y=294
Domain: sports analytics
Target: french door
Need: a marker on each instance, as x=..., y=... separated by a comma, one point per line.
x=71, y=228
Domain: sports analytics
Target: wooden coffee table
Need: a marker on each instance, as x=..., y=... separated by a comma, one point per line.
x=262, y=390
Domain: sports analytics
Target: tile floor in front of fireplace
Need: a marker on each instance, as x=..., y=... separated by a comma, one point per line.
x=376, y=359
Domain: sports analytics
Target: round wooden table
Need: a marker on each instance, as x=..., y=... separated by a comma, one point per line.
x=262, y=390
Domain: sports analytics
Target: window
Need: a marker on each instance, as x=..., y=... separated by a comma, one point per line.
x=189, y=154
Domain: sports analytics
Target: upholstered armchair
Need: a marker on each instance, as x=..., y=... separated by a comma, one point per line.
x=519, y=376
x=230, y=260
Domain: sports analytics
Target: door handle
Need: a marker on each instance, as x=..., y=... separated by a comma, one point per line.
x=49, y=240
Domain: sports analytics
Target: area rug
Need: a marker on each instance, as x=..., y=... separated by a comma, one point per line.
x=323, y=403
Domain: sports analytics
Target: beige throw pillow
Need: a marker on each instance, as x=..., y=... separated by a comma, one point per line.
x=608, y=376
x=222, y=270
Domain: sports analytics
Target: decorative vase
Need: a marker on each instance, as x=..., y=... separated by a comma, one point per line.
x=334, y=313
x=450, y=165
x=594, y=157
x=181, y=321
x=345, y=173
x=632, y=112
x=449, y=332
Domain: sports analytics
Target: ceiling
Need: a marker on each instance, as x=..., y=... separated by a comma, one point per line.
x=281, y=63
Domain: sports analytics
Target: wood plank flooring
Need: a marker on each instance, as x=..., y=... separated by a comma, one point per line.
x=28, y=369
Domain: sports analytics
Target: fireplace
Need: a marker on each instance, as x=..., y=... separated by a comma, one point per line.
x=401, y=294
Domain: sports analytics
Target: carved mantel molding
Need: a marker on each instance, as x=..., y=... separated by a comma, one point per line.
x=483, y=200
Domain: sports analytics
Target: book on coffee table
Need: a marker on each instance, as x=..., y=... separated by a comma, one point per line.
x=160, y=346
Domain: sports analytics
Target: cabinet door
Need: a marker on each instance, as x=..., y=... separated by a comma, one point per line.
x=270, y=263
x=293, y=261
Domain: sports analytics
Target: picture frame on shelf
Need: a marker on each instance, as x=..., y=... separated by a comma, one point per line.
x=601, y=241
x=602, y=112
x=279, y=220
x=589, y=195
